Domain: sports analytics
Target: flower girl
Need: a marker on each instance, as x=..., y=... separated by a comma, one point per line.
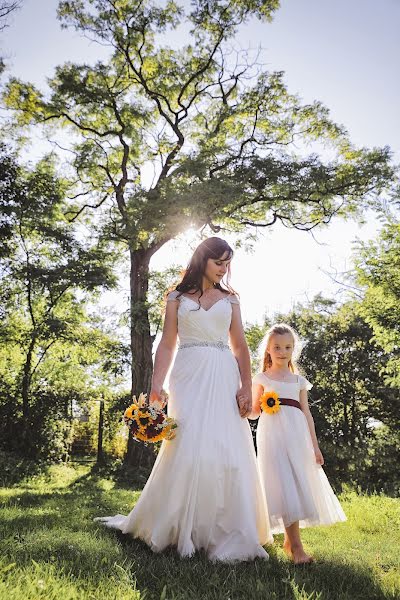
x=297, y=490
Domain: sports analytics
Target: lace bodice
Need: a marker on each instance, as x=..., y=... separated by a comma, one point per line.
x=199, y=325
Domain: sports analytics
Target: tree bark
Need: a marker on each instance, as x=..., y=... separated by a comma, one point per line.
x=25, y=392
x=141, y=346
x=26, y=380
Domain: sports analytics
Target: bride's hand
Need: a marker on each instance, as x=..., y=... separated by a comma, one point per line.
x=157, y=398
x=243, y=397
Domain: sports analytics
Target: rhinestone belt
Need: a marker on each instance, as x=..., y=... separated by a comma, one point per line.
x=220, y=345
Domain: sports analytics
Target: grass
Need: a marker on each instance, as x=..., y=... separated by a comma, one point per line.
x=51, y=549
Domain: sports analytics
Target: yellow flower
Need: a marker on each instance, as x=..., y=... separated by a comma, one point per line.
x=270, y=402
x=129, y=411
x=139, y=435
x=142, y=418
x=158, y=437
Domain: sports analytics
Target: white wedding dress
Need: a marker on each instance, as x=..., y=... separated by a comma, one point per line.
x=204, y=491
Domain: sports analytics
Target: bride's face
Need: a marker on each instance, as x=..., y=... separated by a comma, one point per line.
x=216, y=268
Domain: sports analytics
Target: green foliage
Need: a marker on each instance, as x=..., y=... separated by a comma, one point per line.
x=254, y=336
x=377, y=469
x=160, y=282
x=10, y=197
x=378, y=273
x=52, y=353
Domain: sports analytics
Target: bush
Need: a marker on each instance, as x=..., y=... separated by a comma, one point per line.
x=47, y=433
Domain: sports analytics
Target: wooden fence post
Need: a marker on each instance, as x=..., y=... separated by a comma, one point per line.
x=100, y=457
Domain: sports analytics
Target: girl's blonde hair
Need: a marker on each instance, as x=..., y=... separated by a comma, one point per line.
x=280, y=329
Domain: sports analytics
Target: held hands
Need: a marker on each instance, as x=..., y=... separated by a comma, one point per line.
x=243, y=397
x=318, y=456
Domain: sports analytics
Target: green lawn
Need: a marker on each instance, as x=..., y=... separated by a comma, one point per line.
x=50, y=548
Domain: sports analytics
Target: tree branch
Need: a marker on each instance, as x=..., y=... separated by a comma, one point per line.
x=80, y=211
x=79, y=125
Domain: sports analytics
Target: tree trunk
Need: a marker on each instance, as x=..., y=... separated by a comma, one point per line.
x=141, y=346
x=25, y=392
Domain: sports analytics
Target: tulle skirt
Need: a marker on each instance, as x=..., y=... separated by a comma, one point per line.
x=296, y=488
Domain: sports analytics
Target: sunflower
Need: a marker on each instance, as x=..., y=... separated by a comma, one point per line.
x=140, y=435
x=270, y=402
x=129, y=413
x=142, y=418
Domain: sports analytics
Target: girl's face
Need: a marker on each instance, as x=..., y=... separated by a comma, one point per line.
x=216, y=268
x=281, y=348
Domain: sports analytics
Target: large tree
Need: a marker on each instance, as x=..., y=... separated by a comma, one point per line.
x=214, y=127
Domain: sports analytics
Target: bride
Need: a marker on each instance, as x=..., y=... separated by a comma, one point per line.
x=203, y=491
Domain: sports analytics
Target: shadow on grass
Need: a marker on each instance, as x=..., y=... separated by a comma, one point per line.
x=199, y=579
x=125, y=476
x=57, y=527
x=32, y=499
x=335, y=580
x=70, y=540
x=15, y=468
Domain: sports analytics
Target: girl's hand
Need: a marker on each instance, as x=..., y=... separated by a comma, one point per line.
x=243, y=397
x=318, y=456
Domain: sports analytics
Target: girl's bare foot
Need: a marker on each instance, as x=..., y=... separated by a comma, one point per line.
x=286, y=548
x=297, y=554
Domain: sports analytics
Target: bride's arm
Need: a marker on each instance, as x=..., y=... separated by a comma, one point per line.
x=165, y=350
x=242, y=355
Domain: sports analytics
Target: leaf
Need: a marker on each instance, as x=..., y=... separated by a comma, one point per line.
x=163, y=594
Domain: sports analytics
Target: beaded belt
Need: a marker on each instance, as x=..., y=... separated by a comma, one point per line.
x=220, y=345
x=290, y=402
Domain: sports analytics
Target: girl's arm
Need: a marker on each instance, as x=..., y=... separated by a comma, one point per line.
x=242, y=355
x=165, y=351
x=257, y=391
x=311, y=426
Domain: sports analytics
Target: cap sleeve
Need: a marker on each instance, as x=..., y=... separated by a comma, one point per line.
x=172, y=296
x=259, y=379
x=233, y=299
x=304, y=383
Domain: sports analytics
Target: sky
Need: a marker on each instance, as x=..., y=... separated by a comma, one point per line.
x=343, y=53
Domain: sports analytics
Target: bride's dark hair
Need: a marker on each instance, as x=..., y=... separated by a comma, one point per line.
x=213, y=247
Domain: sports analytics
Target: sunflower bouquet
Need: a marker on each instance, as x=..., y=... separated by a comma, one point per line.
x=270, y=403
x=147, y=423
